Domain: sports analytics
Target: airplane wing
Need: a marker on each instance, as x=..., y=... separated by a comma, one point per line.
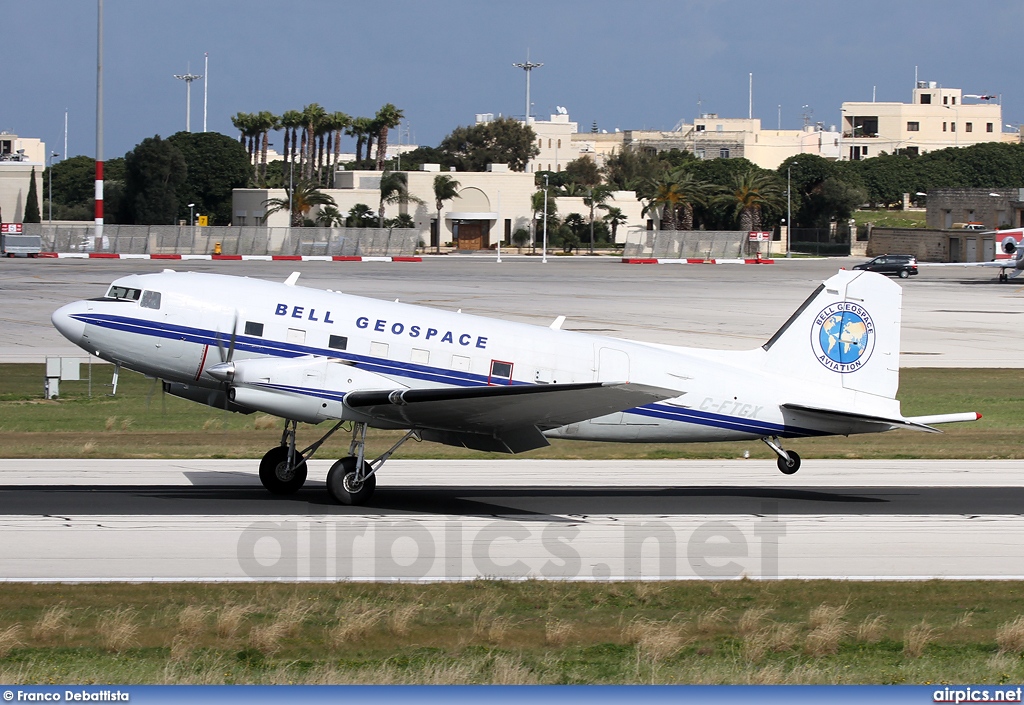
x=834, y=416
x=505, y=419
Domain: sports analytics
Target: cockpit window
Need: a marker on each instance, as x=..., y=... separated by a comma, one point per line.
x=123, y=293
x=150, y=299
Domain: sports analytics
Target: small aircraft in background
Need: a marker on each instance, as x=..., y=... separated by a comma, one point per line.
x=1010, y=265
x=308, y=355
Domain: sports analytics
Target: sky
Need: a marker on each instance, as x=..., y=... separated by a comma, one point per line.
x=644, y=64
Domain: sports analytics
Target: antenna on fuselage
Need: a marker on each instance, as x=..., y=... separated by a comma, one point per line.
x=292, y=278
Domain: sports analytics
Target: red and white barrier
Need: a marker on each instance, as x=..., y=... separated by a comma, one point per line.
x=694, y=260
x=243, y=258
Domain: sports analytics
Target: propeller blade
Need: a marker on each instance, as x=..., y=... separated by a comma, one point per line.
x=234, y=336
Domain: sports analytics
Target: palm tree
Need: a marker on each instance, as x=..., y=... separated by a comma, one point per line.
x=596, y=196
x=387, y=117
x=339, y=121
x=304, y=195
x=290, y=122
x=312, y=117
x=359, y=129
x=694, y=192
x=537, y=205
x=329, y=217
x=445, y=189
x=664, y=195
x=750, y=193
x=262, y=123
x=394, y=189
x=615, y=217
x=246, y=125
x=358, y=215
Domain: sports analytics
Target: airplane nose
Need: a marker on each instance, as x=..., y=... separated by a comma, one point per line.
x=70, y=327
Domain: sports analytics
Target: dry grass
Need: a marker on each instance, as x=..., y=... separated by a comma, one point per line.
x=355, y=622
x=709, y=620
x=264, y=422
x=509, y=671
x=778, y=637
x=917, y=639
x=88, y=447
x=267, y=638
x=192, y=621
x=126, y=423
x=230, y=618
x=828, y=627
x=54, y=621
x=111, y=423
x=401, y=618
x=654, y=640
x=558, y=632
x=751, y=620
x=1010, y=636
x=871, y=629
x=963, y=621
x=118, y=629
x=10, y=639
x=212, y=424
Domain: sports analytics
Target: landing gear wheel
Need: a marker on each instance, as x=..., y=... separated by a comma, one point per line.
x=275, y=474
x=788, y=468
x=904, y=274
x=1003, y=277
x=343, y=486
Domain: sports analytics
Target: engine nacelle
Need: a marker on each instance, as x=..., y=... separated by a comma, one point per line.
x=204, y=395
x=1009, y=245
x=284, y=404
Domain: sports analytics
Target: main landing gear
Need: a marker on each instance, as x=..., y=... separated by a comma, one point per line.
x=789, y=460
x=351, y=480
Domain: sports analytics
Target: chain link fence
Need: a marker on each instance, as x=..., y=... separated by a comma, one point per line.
x=684, y=244
x=240, y=240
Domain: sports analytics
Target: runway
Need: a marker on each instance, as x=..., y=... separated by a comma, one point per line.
x=86, y=520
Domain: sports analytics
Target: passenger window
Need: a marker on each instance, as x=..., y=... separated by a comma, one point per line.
x=254, y=328
x=378, y=349
x=337, y=342
x=501, y=372
x=150, y=299
x=296, y=336
x=420, y=357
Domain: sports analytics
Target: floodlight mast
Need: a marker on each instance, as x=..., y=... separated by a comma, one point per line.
x=188, y=77
x=528, y=66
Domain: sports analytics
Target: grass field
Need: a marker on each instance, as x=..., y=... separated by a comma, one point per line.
x=882, y=218
x=507, y=632
x=141, y=422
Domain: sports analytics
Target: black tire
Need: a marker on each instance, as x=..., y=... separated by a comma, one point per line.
x=340, y=487
x=792, y=466
x=275, y=474
x=904, y=274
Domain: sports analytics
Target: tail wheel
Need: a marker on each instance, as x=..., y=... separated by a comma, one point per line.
x=277, y=476
x=792, y=465
x=343, y=486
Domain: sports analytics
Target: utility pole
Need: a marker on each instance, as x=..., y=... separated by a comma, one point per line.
x=789, y=210
x=544, y=253
x=188, y=77
x=527, y=67
x=99, y=123
x=206, y=83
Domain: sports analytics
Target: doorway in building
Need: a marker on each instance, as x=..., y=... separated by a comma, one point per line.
x=471, y=235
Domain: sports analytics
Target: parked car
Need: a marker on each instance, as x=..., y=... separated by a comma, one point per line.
x=901, y=266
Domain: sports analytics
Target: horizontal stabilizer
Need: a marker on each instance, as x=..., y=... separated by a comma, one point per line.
x=834, y=415
x=488, y=410
x=946, y=418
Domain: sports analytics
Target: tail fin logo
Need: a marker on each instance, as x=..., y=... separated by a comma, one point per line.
x=843, y=336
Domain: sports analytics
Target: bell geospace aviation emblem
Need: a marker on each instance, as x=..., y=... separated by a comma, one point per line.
x=843, y=336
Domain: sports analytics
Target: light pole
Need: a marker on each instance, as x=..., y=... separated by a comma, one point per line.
x=789, y=209
x=188, y=77
x=528, y=66
x=49, y=187
x=191, y=219
x=544, y=252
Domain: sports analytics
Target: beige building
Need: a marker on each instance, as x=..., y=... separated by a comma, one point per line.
x=714, y=137
x=18, y=156
x=936, y=118
x=490, y=207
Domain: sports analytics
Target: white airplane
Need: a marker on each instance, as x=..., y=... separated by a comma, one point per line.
x=1009, y=267
x=309, y=355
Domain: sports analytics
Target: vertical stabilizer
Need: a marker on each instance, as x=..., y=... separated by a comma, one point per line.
x=847, y=334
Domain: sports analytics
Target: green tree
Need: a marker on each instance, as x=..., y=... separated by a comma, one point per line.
x=291, y=121
x=614, y=218
x=387, y=118
x=216, y=165
x=583, y=171
x=74, y=188
x=360, y=130
x=446, y=188
x=501, y=141
x=394, y=190
x=596, y=196
x=629, y=169
x=313, y=116
x=338, y=122
x=750, y=194
x=305, y=194
x=32, y=201
x=537, y=205
x=359, y=216
x=154, y=172
x=329, y=217
x=262, y=123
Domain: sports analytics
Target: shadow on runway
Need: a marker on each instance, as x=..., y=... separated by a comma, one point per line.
x=540, y=503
